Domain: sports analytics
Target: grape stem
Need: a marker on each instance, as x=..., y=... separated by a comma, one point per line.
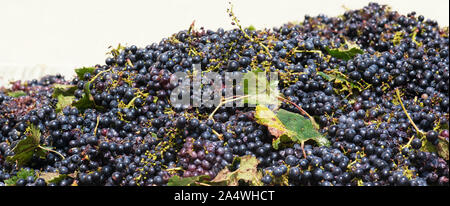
x=202, y=184
x=96, y=126
x=236, y=21
x=408, y=144
x=224, y=102
x=129, y=63
x=218, y=135
x=420, y=132
x=302, y=145
x=301, y=110
x=232, y=99
x=51, y=150
x=406, y=112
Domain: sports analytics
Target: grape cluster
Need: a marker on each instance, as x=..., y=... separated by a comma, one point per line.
x=385, y=116
x=203, y=157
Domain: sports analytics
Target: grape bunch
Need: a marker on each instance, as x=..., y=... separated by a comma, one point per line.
x=374, y=83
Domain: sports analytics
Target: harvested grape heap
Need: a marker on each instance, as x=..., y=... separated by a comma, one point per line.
x=362, y=100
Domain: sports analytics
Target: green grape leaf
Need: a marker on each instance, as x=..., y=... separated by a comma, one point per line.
x=17, y=94
x=444, y=126
x=62, y=89
x=322, y=141
x=52, y=177
x=345, y=54
x=21, y=174
x=24, y=173
x=11, y=181
x=22, y=158
x=442, y=149
x=86, y=101
x=31, y=141
x=25, y=148
x=267, y=117
x=338, y=78
x=302, y=128
x=63, y=101
x=187, y=181
x=288, y=127
x=81, y=71
x=428, y=147
x=326, y=76
x=64, y=94
x=247, y=172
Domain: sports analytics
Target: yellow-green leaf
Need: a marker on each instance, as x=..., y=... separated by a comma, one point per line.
x=345, y=54
x=186, y=181
x=288, y=127
x=267, y=117
x=52, y=177
x=62, y=89
x=81, y=71
x=247, y=172
x=21, y=174
x=442, y=149
x=301, y=127
x=17, y=94
x=64, y=101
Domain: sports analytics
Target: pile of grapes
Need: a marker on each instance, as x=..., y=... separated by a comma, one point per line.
x=370, y=87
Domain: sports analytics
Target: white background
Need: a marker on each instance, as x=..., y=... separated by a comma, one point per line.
x=54, y=36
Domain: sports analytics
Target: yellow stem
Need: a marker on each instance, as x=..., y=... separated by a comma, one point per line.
x=406, y=112
x=96, y=126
